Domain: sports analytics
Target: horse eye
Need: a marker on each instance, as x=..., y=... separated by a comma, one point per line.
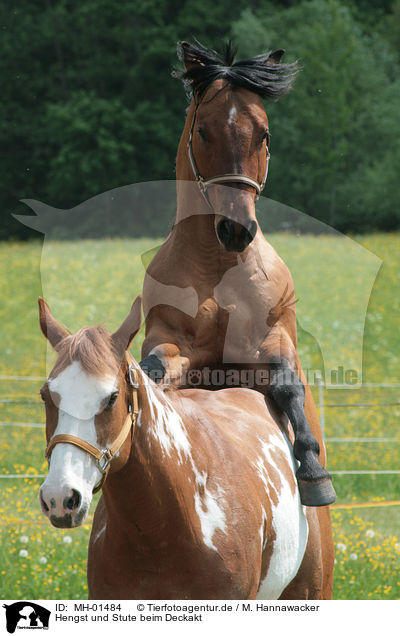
x=42, y=396
x=202, y=133
x=266, y=136
x=112, y=399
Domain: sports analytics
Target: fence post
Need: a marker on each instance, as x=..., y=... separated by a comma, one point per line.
x=321, y=405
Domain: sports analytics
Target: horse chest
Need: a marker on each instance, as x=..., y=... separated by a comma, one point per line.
x=233, y=322
x=210, y=322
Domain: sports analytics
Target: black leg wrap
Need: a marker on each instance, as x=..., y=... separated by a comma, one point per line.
x=153, y=367
x=287, y=390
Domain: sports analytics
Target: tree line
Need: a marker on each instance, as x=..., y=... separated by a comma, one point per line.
x=88, y=102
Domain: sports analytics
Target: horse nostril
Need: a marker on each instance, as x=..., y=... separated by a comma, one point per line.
x=73, y=502
x=225, y=231
x=246, y=235
x=43, y=503
x=235, y=236
x=252, y=229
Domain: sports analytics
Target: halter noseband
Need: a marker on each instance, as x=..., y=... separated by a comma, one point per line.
x=229, y=177
x=104, y=457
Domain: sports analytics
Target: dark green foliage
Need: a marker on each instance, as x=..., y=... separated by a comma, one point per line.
x=88, y=103
x=334, y=143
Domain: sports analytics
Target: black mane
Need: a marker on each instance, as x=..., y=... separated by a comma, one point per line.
x=269, y=80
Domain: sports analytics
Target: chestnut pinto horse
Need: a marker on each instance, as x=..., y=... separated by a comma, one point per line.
x=199, y=495
x=245, y=316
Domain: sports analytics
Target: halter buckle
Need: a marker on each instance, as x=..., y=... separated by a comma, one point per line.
x=202, y=184
x=105, y=460
x=133, y=379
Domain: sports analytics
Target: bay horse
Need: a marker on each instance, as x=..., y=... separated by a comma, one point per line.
x=246, y=308
x=199, y=496
x=244, y=317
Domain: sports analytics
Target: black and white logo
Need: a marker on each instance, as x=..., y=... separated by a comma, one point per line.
x=26, y=615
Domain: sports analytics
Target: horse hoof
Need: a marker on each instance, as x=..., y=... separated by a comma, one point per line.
x=317, y=493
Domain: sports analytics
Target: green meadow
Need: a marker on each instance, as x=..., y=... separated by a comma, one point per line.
x=92, y=282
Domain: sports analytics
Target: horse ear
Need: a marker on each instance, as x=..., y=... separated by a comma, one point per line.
x=123, y=337
x=275, y=57
x=188, y=59
x=51, y=328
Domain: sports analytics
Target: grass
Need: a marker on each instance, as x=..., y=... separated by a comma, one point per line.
x=367, y=558
x=94, y=282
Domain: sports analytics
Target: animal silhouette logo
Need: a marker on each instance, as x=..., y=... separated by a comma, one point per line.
x=26, y=615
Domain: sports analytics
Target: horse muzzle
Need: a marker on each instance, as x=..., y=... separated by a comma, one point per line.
x=65, y=508
x=234, y=236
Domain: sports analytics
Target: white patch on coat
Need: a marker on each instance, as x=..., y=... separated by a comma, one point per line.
x=290, y=525
x=262, y=470
x=167, y=426
x=168, y=429
x=261, y=531
x=81, y=398
x=201, y=478
x=211, y=515
x=208, y=507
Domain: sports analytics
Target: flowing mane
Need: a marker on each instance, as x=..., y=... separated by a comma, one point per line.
x=258, y=74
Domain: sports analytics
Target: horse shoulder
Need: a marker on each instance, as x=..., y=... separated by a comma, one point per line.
x=96, y=542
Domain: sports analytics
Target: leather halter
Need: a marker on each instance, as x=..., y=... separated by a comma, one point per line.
x=229, y=177
x=103, y=457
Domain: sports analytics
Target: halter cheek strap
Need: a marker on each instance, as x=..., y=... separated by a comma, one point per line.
x=103, y=457
x=229, y=177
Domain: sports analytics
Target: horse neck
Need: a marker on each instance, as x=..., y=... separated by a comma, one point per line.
x=143, y=497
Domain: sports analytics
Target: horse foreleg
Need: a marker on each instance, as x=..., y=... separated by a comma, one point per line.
x=288, y=392
x=165, y=363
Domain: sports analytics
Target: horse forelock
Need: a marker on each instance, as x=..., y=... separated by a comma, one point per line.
x=92, y=348
x=255, y=74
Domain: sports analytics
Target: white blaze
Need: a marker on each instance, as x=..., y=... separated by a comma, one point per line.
x=81, y=398
x=232, y=115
